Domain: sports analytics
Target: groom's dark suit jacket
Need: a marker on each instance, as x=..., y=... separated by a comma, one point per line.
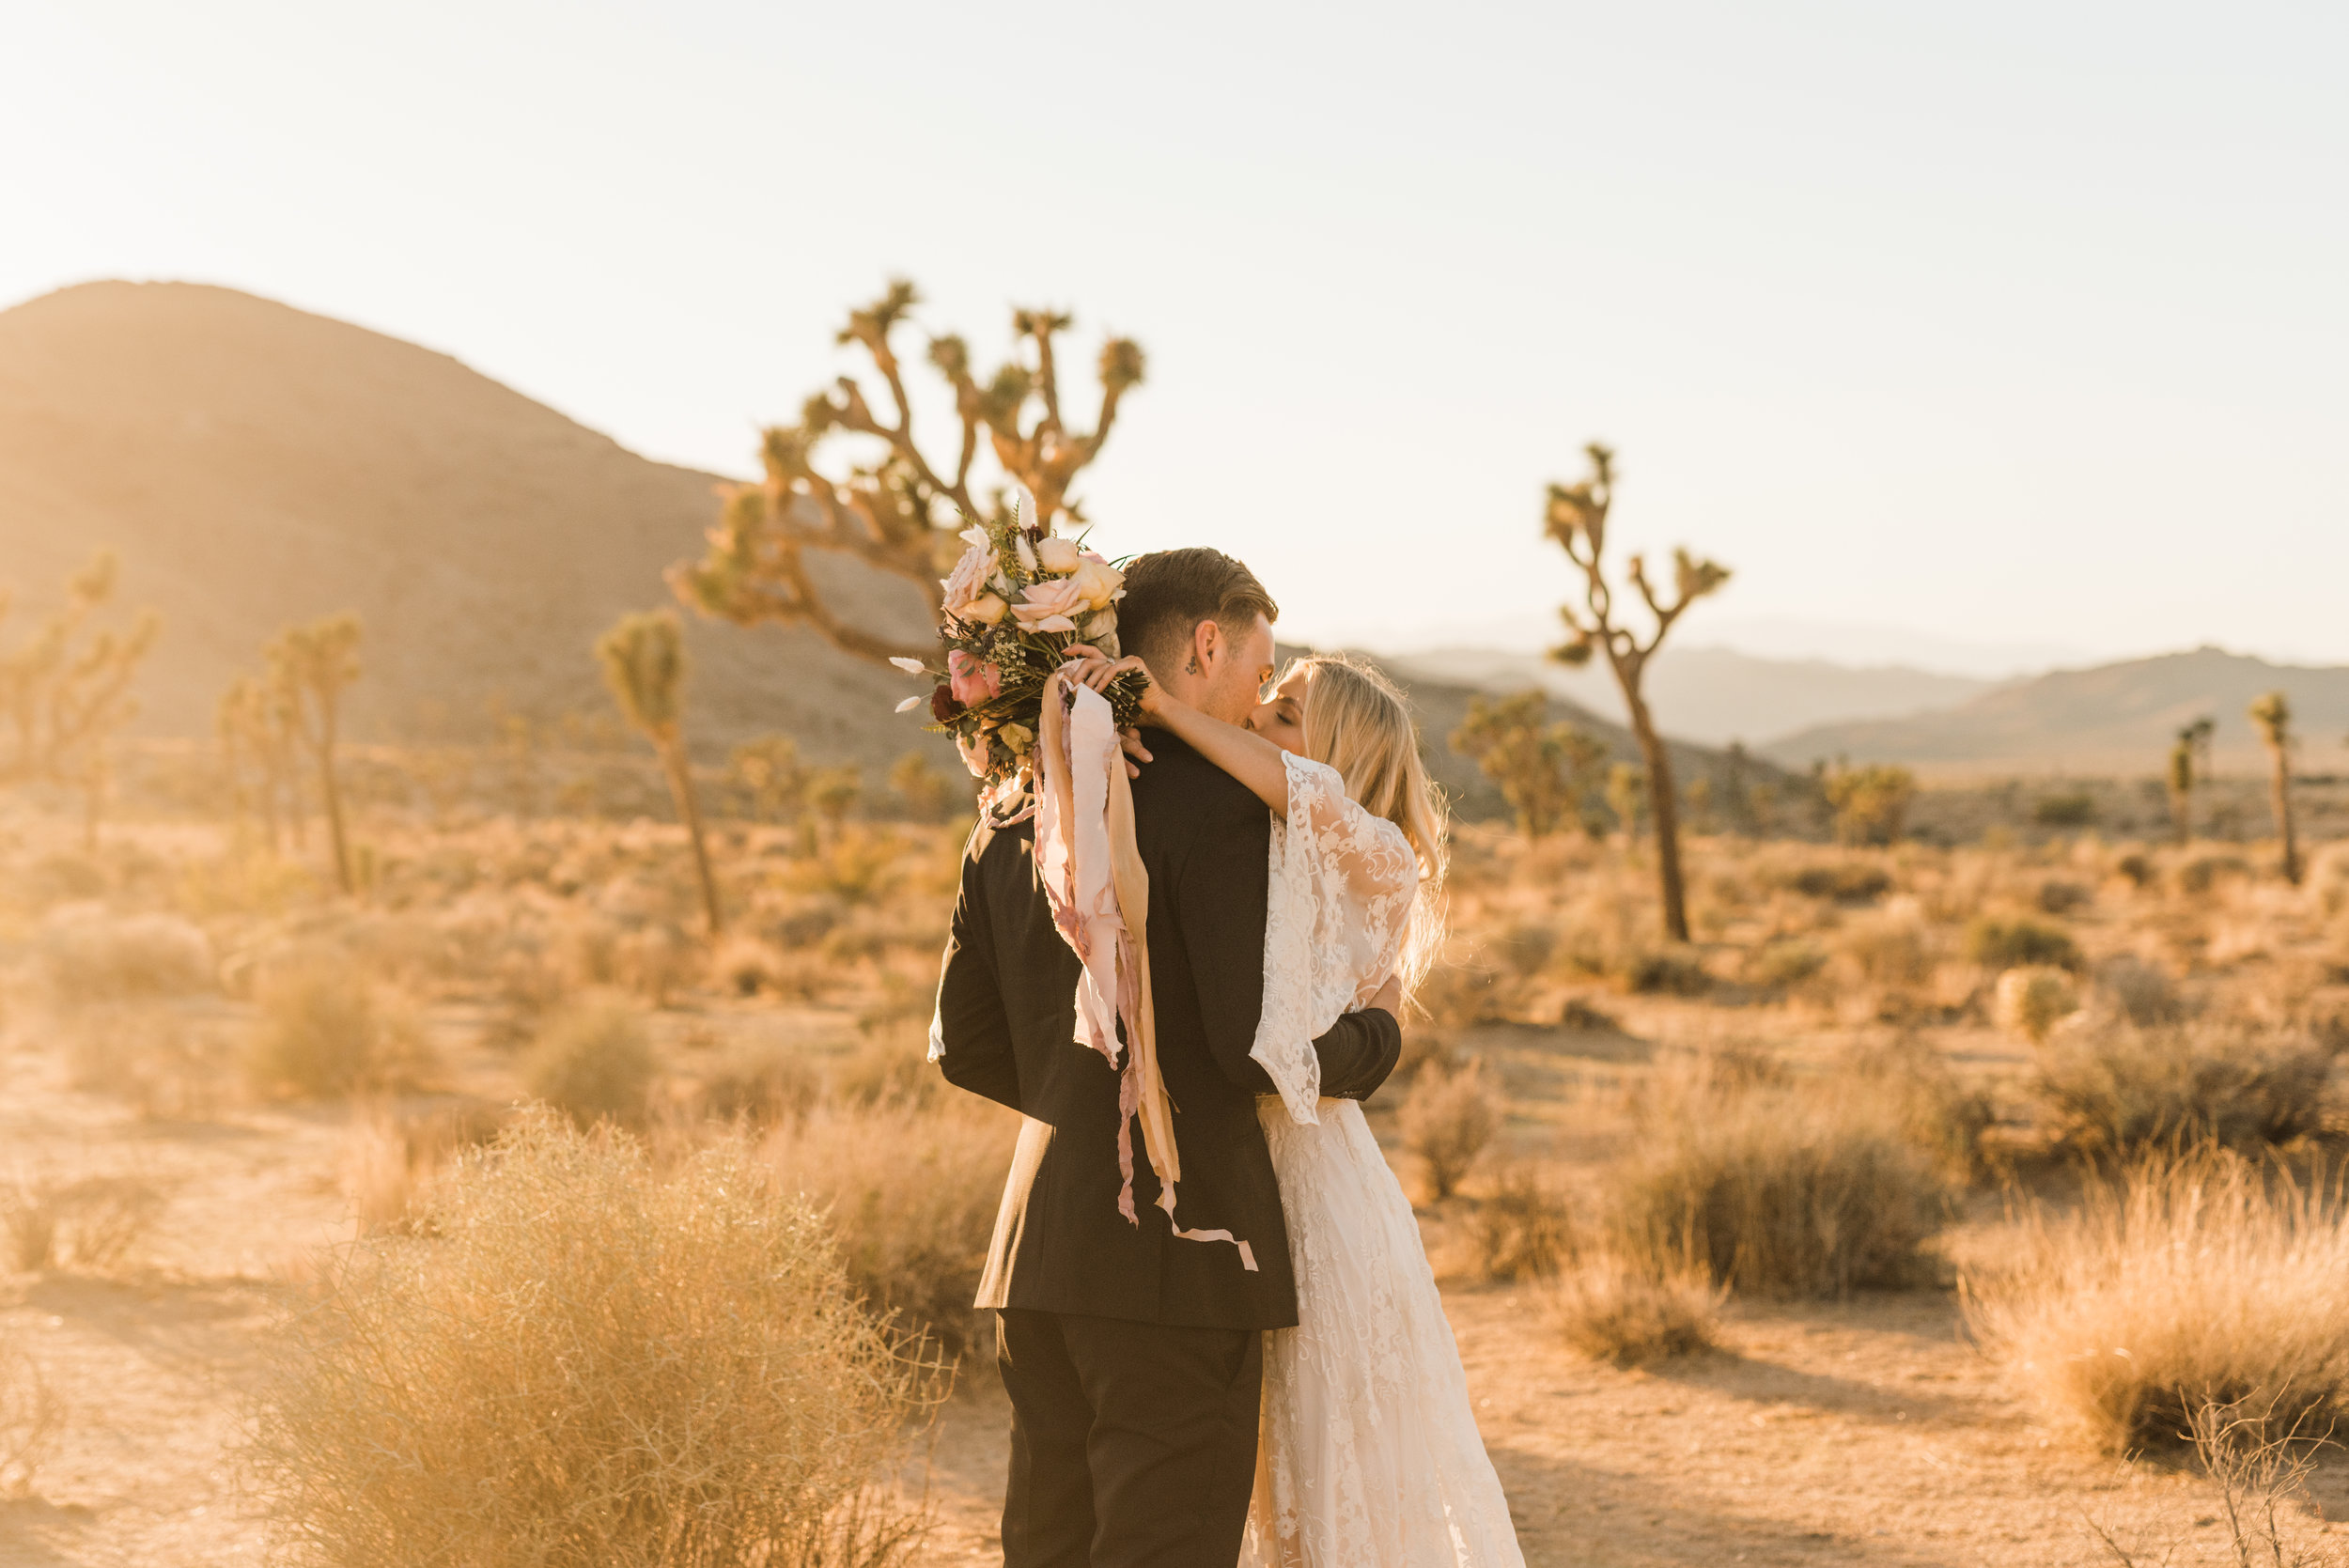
x=1006, y=1017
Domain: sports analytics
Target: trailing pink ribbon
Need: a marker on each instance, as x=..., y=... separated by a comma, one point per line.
x=1100, y=894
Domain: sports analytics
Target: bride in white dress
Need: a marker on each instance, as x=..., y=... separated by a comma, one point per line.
x=1368, y=1455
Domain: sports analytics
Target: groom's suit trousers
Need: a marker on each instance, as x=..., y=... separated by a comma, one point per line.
x=1134, y=1445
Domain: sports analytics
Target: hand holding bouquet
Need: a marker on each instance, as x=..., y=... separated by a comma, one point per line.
x=1014, y=603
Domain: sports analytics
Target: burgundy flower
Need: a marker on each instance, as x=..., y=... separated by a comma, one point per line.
x=943, y=705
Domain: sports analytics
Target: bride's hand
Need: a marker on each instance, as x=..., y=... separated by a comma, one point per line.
x=1089, y=666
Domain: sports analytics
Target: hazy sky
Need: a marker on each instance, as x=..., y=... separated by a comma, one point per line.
x=1992, y=324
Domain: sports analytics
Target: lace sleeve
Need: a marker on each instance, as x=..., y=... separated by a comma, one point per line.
x=1342, y=885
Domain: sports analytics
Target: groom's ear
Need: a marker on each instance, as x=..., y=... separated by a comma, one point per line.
x=1207, y=645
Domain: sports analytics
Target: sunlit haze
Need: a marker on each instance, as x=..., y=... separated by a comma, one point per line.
x=1998, y=325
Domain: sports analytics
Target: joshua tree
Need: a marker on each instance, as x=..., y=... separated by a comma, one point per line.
x=65, y=696
x=900, y=512
x=1576, y=519
x=1542, y=771
x=920, y=785
x=1625, y=782
x=2272, y=715
x=255, y=724
x=644, y=663
x=2192, y=744
x=1870, y=804
x=309, y=667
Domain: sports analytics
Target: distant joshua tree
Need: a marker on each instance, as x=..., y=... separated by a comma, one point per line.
x=767, y=775
x=310, y=666
x=644, y=663
x=256, y=726
x=897, y=512
x=1627, y=782
x=66, y=697
x=920, y=786
x=2272, y=713
x=1576, y=519
x=1542, y=771
x=2185, y=756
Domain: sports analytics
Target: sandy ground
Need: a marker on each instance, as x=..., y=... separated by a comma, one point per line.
x=1868, y=1432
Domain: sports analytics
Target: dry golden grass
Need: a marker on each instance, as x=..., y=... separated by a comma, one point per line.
x=1448, y=1118
x=2117, y=1088
x=1777, y=1188
x=911, y=1193
x=326, y=1030
x=2203, y=1278
x=1629, y=1312
x=593, y=1063
x=586, y=1366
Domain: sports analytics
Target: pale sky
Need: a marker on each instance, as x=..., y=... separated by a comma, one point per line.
x=1988, y=323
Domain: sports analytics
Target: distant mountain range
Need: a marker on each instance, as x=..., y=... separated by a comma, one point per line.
x=1712, y=695
x=2117, y=718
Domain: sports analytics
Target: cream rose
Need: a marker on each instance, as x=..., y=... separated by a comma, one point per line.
x=1058, y=556
x=1019, y=737
x=1098, y=580
x=968, y=580
x=987, y=610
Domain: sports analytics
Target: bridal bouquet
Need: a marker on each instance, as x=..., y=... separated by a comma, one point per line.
x=1016, y=600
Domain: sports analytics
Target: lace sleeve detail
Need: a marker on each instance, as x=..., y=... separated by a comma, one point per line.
x=1342, y=885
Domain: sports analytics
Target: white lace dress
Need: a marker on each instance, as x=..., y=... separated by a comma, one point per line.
x=1369, y=1455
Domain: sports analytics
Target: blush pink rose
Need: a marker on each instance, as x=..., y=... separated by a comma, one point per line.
x=1051, y=605
x=967, y=584
x=973, y=755
x=972, y=680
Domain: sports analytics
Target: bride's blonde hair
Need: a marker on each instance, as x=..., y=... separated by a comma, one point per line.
x=1358, y=722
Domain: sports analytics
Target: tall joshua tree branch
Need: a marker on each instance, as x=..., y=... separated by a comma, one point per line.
x=1577, y=519
x=898, y=513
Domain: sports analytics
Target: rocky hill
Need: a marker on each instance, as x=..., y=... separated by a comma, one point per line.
x=254, y=465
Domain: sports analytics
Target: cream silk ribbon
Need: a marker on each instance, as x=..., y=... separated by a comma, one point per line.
x=1100, y=894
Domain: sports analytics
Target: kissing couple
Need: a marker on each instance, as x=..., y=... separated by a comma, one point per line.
x=1269, y=1379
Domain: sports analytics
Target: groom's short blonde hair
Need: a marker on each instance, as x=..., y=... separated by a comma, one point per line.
x=1169, y=592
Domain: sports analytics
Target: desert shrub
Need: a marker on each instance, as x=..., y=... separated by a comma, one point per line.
x=2191, y=1279
x=1784, y=965
x=1421, y=1049
x=698, y=1385
x=1630, y=1313
x=2114, y=1086
x=391, y=1157
x=2203, y=872
x=1527, y=947
x=1889, y=950
x=859, y=866
x=1448, y=1118
x=1523, y=1230
x=593, y=1063
x=2058, y=897
x=888, y=1065
x=2138, y=991
x=656, y=962
x=1843, y=881
x=2074, y=809
x=746, y=966
x=2032, y=1001
x=2019, y=943
x=910, y=1196
x=1579, y=1014
x=89, y=956
x=1667, y=971
x=324, y=1031
x=762, y=1084
x=1776, y=1188
x=1937, y=1113
x=1461, y=991
x=2137, y=869
x=31, y=1416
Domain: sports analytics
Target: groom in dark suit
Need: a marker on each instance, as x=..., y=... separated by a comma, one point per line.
x=1133, y=1358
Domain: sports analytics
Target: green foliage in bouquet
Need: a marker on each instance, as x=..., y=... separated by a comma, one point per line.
x=1018, y=599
